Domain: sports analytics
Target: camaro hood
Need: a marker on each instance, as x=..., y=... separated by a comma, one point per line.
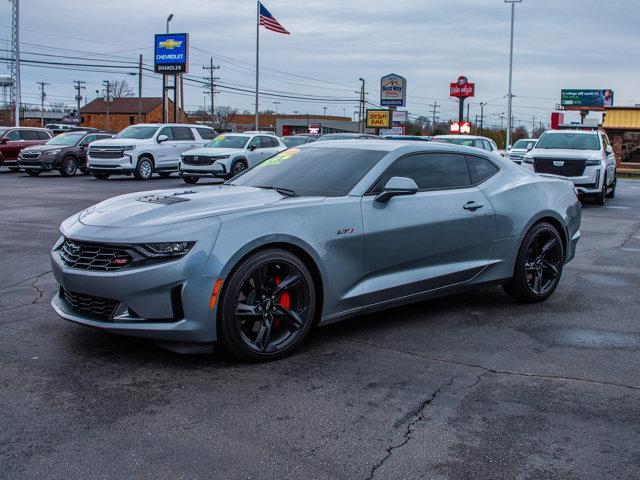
x=565, y=154
x=214, y=152
x=164, y=207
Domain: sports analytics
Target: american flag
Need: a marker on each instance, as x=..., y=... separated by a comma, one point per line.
x=269, y=22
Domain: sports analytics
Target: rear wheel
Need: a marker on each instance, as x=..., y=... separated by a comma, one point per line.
x=69, y=167
x=33, y=173
x=101, y=175
x=144, y=169
x=191, y=180
x=267, y=306
x=538, y=265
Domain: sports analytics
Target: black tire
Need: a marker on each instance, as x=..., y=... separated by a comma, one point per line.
x=267, y=306
x=237, y=168
x=69, y=166
x=144, y=169
x=538, y=266
x=101, y=175
x=164, y=174
x=190, y=180
x=14, y=169
x=601, y=198
x=612, y=193
x=33, y=173
x=84, y=170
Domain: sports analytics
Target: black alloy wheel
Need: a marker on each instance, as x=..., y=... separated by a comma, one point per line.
x=69, y=167
x=268, y=306
x=538, y=266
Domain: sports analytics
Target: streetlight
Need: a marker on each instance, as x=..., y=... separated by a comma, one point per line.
x=324, y=112
x=276, y=103
x=169, y=18
x=510, y=96
x=344, y=112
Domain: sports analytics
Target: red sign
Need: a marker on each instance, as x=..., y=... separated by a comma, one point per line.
x=460, y=127
x=462, y=88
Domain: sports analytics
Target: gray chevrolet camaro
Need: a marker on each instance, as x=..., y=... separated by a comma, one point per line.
x=313, y=235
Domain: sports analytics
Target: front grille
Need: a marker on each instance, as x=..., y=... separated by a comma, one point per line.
x=94, y=256
x=566, y=168
x=198, y=160
x=29, y=155
x=89, y=306
x=99, y=152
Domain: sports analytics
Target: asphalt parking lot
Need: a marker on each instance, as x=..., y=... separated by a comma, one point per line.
x=473, y=386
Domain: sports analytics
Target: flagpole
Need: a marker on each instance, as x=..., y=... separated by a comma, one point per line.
x=257, y=58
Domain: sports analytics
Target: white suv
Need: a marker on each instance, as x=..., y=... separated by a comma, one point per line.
x=228, y=154
x=584, y=157
x=145, y=148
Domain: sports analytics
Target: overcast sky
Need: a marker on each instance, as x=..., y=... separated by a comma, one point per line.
x=558, y=44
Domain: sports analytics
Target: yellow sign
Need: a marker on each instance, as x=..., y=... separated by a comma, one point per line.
x=378, y=118
x=170, y=43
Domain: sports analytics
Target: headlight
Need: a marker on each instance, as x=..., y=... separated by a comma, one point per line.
x=220, y=157
x=593, y=163
x=129, y=147
x=167, y=249
x=52, y=152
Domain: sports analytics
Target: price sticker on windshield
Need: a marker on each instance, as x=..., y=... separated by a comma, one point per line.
x=281, y=157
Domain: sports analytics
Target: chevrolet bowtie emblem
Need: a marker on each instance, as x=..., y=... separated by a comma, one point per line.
x=170, y=43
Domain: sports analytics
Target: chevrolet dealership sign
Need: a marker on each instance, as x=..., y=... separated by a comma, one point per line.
x=171, y=53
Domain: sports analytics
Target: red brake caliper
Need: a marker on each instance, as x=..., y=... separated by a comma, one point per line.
x=284, y=301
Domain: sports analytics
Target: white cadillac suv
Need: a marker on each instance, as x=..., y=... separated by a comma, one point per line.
x=583, y=156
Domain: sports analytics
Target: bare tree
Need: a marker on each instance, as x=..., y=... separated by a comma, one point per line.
x=221, y=116
x=121, y=89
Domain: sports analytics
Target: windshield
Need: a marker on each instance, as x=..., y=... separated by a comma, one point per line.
x=137, y=131
x=569, y=141
x=465, y=142
x=293, y=141
x=66, y=139
x=2, y=132
x=330, y=172
x=228, y=141
x=524, y=144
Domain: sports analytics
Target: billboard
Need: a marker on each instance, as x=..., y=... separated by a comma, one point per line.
x=378, y=118
x=393, y=91
x=171, y=53
x=399, y=116
x=460, y=127
x=462, y=88
x=581, y=99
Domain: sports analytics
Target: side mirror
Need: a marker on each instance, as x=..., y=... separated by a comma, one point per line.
x=509, y=147
x=529, y=147
x=162, y=138
x=609, y=149
x=252, y=147
x=397, y=186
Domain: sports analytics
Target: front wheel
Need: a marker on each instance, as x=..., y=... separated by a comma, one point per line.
x=190, y=180
x=69, y=167
x=144, y=169
x=237, y=168
x=612, y=193
x=601, y=197
x=538, y=265
x=267, y=307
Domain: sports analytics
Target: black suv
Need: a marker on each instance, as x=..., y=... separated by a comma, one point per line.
x=66, y=153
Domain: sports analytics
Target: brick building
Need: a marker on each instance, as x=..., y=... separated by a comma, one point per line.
x=622, y=125
x=285, y=124
x=124, y=112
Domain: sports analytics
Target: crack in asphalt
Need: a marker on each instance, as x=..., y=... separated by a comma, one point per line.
x=25, y=280
x=493, y=370
x=418, y=416
x=39, y=292
x=630, y=236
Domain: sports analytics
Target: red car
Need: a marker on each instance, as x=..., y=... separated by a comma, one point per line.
x=14, y=139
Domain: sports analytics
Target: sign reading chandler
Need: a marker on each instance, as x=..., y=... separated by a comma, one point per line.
x=171, y=53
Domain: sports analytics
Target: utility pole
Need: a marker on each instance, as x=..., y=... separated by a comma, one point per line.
x=482, y=104
x=510, y=95
x=434, y=112
x=79, y=86
x=468, y=105
x=107, y=86
x=533, y=124
x=211, y=85
x=140, y=89
x=501, y=116
x=42, y=97
x=276, y=103
x=15, y=64
x=361, y=107
x=324, y=111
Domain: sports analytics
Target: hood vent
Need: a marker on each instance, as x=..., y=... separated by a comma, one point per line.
x=166, y=199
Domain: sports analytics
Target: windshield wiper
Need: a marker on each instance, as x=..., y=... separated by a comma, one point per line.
x=283, y=191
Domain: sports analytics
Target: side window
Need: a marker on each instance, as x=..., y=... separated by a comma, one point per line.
x=182, y=133
x=265, y=142
x=43, y=135
x=102, y=137
x=487, y=145
x=430, y=171
x=206, y=133
x=166, y=131
x=13, y=135
x=28, y=135
x=480, y=168
x=88, y=139
x=255, y=142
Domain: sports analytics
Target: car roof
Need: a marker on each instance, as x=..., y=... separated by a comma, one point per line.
x=387, y=146
x=468, y=137
x=581, y=132
x=170, y=125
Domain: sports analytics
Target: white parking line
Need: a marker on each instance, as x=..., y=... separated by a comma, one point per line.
x=618, y=207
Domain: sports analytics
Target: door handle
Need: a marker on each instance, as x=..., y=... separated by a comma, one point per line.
x=472, y=206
